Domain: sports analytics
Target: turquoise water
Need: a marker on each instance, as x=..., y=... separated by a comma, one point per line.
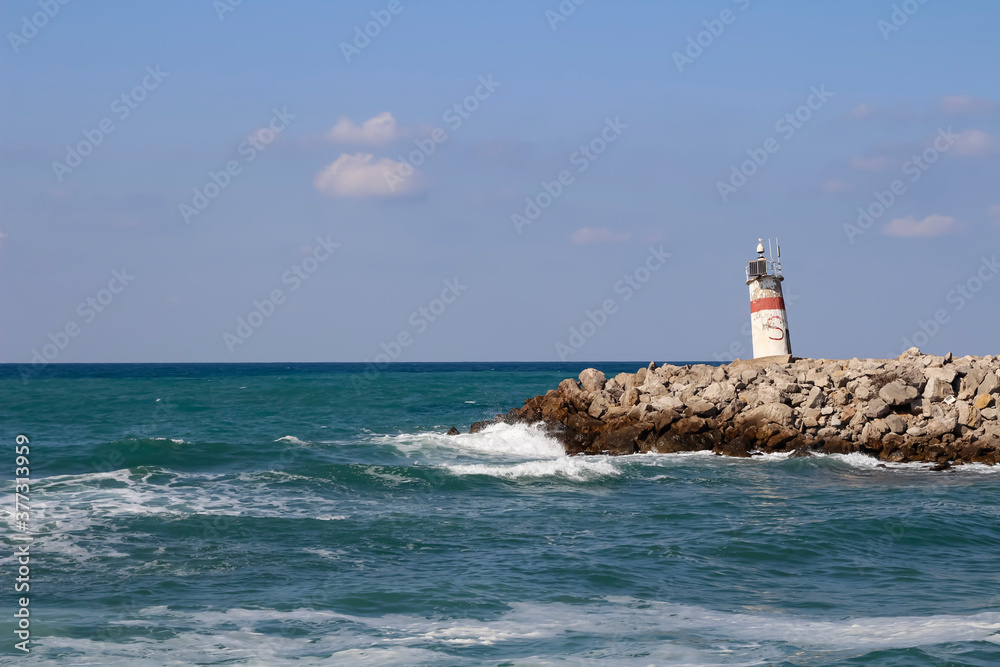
x=311, y=514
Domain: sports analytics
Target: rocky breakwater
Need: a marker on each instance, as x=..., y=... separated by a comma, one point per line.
x=915, y=408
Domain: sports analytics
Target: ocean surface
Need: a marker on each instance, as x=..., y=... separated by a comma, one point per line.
x=316, y=514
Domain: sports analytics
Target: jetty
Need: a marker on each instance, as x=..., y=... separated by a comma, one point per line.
x=917, y=407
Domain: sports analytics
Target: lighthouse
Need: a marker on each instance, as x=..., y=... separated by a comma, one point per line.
x=768, y=319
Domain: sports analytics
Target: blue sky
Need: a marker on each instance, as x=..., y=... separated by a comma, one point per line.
x=644, y=126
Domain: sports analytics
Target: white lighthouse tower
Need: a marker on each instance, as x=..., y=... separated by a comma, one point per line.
x=768, y=319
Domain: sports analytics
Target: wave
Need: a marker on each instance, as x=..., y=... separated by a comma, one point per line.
x=576, y=468
x=509, y=440
x=612, y=631
x=291, y=439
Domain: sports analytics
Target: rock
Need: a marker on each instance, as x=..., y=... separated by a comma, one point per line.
x=719, y=392
x=701, y=408
x=896, y=424
x=769, y=394
x=453, y=431
x=814, y=399
x=665, y=418
x=897, y=393
x=618, y=441
x=968, y=415
x=668, y=402
x=874, y=430
x=909, y=354
x=947, y=409
x=630, y=397
x=688, y=425
x=641, y=412
x=938, y=386
x=990, y=385
x=615, y=411
x=569, y=388
x=941, y=425
x=592, y=380
x=479, y=426
x=877, y=409
x=771, y=413
x=598, y=407
x=945, y=374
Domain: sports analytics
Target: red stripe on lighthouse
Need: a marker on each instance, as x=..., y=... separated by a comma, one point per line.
x=768, y=303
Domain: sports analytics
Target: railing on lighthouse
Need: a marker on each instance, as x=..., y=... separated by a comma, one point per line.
x=768, y=317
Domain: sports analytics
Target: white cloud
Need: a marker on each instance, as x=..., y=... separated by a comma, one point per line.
x=966, y=104
x=869, y=163
x=364, y=175
x=836, y=187
x=863, y=110
x=375, y=131
x=973, y=143
x=588, y=235
x=932, y=225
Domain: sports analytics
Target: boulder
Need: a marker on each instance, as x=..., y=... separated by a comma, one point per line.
x=630, y=397
x=938, y=385
x=941, y=425
x=896, y=424
x=990, y=385
x=592, y=380
x=897, y=393
x=770, y=413
x=815, y=398
x=983, y=401
x=569, y=388
x=877, y=409
x=698, y=407
x=598, y=407
x=688, y=425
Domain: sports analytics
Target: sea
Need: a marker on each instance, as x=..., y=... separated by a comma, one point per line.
x=318, y=514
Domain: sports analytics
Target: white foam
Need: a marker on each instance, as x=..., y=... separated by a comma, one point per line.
x=576, y=468
x=290, y=439
x=508, y=440
x=616, y=631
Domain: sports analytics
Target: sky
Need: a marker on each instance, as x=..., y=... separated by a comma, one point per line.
x=421, y=180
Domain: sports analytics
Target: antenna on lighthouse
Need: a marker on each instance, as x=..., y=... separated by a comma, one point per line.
x=768, y=318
